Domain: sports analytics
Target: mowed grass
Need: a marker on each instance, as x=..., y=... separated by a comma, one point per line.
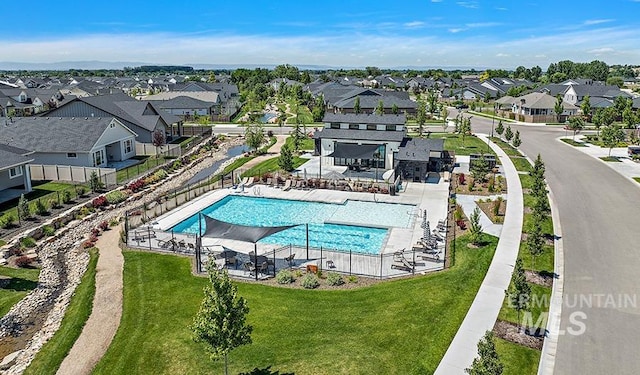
x=467, y=146
x=538, y=307
x=23, y=281
x=506, y=147
x=521, y=164
x=271, y=165
x=396, y=327
x=572, y=142
x=49, y=358
x=517, y=359
x=306, y=144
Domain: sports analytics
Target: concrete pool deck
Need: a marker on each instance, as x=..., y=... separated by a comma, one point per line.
x=432, y=197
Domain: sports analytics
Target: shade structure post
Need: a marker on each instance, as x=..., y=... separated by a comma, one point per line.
x=307, y=229
x=274, y=263
x=349, y=261
x=381, y=261
x=413, y=266
x=149, y=235
x=320, y=258
x=255, y=259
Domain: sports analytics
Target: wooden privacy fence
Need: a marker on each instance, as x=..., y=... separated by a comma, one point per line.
x=71, y=173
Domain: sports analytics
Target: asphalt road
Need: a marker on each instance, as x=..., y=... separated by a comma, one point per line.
x=599, y=213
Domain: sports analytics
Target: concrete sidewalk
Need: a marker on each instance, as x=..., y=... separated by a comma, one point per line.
x=484, y=310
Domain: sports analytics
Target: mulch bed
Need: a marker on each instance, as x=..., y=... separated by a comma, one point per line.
x=360, y=282
x=478, y=188
x=538, y=278
x=487, y=208
x=512, y=333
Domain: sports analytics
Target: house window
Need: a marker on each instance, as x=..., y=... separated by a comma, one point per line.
x=335, y=125
x=390, y=127
x=371, y=127
x=354, y=126
x=98, y=158
x=15, y=172
x=128, y=146
x=112, y=125
x=72, y=155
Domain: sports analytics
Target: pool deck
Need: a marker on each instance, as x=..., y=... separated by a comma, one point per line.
x=432, y=197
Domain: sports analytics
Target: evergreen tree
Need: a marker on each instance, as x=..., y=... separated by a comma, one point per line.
x=479, y=168
x=285, y=160
x=221, y=320
x=516, y=139
x=500, y=128
x=394, y=109
x=535, y=241
x=94, y=182
x=488, y=361
x=24, y=211
x=508, y=134
x=519, y=292
x=356, y=105
x=476, y=228
x=380, y=108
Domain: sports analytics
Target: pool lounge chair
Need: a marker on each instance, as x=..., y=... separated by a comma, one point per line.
x=249, y=182
x=401, y=263
x=269, y=181
x=287, y=185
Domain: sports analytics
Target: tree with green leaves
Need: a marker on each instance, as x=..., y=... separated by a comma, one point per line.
x=464, y=128
x=285, y=160
x=479, y=168
x=516, y=139
x=612, y=135
x=629, y=117
x=432, y=101
x=444, y=113
x=558, y=108
x=95, y=184
x=380, y=108
x=298, y=136
x=488, y=362
x=575, y=125
x=394, y=109
x=586, y=107
x=535, y=241
x=421, y=116
x=254, y=136
x=500, y=128
x=508, y=134
x=221, y=322
x=475, y=229
x=538, y=168
x=519, y=292
x=24, y=210
x=356, y=105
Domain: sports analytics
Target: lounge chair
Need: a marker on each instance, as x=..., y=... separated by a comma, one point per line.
x=244, y=181
x=289, y=259
x=437, y=235
x=431, y=257
x=249, y=182
x=299, y=184
x=287, y=185
x=264, y=268
x=191, y=247
x=269, y=181
x=250, y=267
x=401, y=264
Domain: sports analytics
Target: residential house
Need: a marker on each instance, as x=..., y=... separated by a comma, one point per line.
x=14, y=172
x=540, y=107
x=142, y=117
x=341, y=99
x=416, y=157
x=87, y=142
x=28, y=102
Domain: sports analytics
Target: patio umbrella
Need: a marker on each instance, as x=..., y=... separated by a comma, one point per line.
x=388, y=175
x=426, y=235
x=304, y=173
x=333, y=175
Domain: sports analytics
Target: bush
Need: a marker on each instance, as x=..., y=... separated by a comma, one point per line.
x=81, y=190
x=48, y=230
x=95, y=232
x=334, y=279
x=41, y=208
x=7, y=221
x=95, y=183
x=115, y=197
x=461, y=179
x=100, y=201
x=284, y=277
x=53, y=203
x=113, y=222
x=103, y=225
x=27, y=242
x=88, y=244
x=23, y=261
x=136, y=185
x=310, y=281
x=353, y=279
x=66, y=196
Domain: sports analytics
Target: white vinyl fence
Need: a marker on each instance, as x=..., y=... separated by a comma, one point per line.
x=71, y=173
x=150, y=149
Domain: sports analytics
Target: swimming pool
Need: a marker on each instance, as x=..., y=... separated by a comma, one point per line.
x=353, y=226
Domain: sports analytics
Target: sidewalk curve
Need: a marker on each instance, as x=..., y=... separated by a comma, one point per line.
x=105, y=315
x=484, y=310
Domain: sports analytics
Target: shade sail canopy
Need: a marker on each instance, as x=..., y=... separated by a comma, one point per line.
x=354, y=151
x=221, y=229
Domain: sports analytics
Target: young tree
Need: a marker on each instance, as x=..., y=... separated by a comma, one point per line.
x=519, y=292
x=158, y=139
x=476, y=228
x=421, y=116
x=298, y=137
x=444, y=113
x=432, y=101
x=94, y=182
x=611, y=136
x=254, y=136
x=629, y=117
x=24, y=211
x=516, y=139
x=535, y=241
x=508, y=134
x=500, y=128
x=285, y=160
x=488, y=362
x=586, y=107
x=575, y=124
x=558, y=108
x=464, y=128
x=221, y=320
x=356, y=105
x=479, y=169
x=380, y=108
x=394, y=109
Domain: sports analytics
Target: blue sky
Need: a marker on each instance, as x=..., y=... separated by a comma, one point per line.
x=427, y=33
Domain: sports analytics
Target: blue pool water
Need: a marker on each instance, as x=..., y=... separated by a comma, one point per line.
x=327, y=222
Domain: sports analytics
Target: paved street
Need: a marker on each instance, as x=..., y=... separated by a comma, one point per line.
x=599, y=214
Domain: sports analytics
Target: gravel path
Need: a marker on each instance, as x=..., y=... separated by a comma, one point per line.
x=105, y=316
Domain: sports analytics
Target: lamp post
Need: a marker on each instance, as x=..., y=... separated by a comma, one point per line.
x=493, y=119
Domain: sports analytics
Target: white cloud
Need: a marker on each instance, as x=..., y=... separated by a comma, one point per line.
x=601, y=51
x=502, y=55
x=468, y=4
x=456, y=30
x=596, y=22
x=414, y=24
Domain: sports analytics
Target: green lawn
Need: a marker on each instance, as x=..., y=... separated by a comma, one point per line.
x=572, y=142
x=23, y=281
x=470, y=145
x=271, y=165
x=304, y=114
x=506, y=147
x=397, y=327
x=306, y=144
x=41, y=190
x=131, y=172
x=55, y=350
x=637, y=179
x=517, y=359
x=538, y=308
x=526, y=181
x=610, y=159
x=521, y=164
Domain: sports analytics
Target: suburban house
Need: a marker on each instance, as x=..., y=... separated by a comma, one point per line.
x=86, y=141
x=540, y=107
x=142, y=117
x=14, y=172
x=16, y=102
x=365, y=141
x=340, y=98
x=220, y=101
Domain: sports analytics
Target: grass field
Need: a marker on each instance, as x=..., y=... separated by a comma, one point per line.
x=517, y=359
x=470, y=144
x=610, y=159
x=41, y=190
x=306, y=144
x=521, y=163
x=23, y=281
x=397, y=327
x=506, y=147
x=49, y=358
x=572, y=142
x=271, y=165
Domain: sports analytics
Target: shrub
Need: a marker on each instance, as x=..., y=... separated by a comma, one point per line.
x=27, y=242
x=87, y=244
x=95, y=183
x=66, y=196
x=461, y=179
x=23, y=207
x=103, y=225
x=115, y=197
x=48, y=230
x=84, y=211
x=161, y=174
x=113, y=222
x=310, y=281
x=95, y=232
x=23, y=261
x=81, y=190
x=100, y=201
x=284, y=277
x=7, y=221
x=136, y=185
x=298, y=274
x=353, y=279
x=41, y=208
x=334, y=279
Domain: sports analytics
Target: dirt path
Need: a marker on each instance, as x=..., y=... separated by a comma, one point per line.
x=104, y=320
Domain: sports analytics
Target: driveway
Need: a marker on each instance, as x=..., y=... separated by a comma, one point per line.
x=599, y=214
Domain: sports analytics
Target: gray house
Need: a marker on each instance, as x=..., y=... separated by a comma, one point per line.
x=416, y=157
x=14, y=172
x=87, y=142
